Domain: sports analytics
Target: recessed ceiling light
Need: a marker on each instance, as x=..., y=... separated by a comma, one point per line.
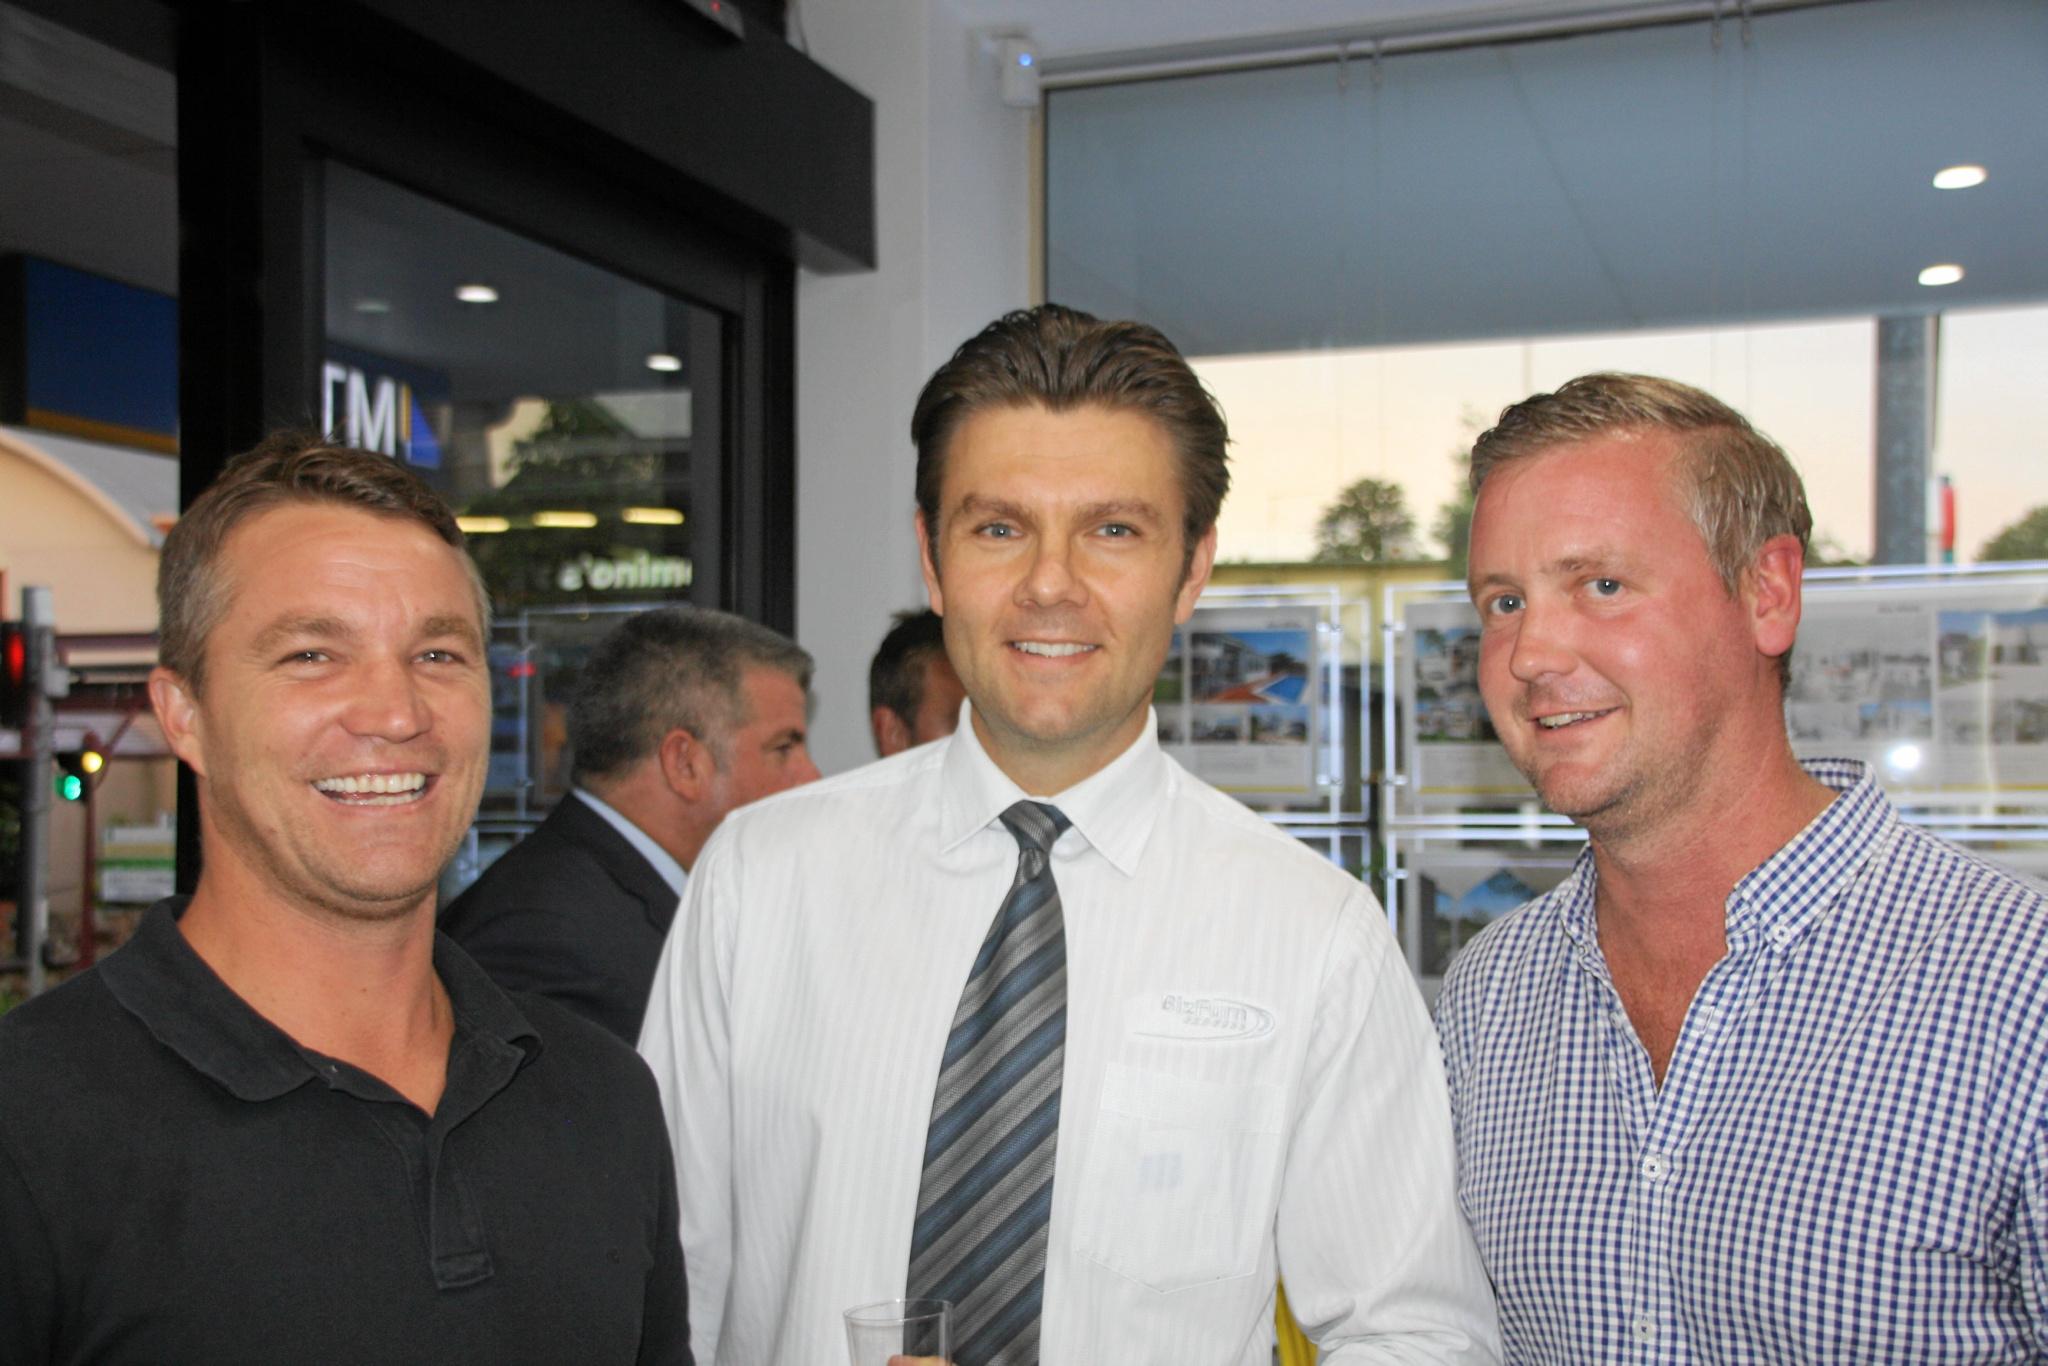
x=373, y=306
x=1959, y=177
x=653, y=516
x=1941, y=275
x=664, y=362
x=476, y=294
x=565, y=519
x=482, y=526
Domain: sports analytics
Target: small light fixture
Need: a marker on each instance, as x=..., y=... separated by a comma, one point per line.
x=653, y=516
x=664, y=362
x=373, y=306
x=565, y=520
x=1904, y=757
x=1945, y=274
x=1963, y=177
x=482, y=526
x=476, y=293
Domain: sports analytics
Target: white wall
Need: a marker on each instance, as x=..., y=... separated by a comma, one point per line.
x=953, y=234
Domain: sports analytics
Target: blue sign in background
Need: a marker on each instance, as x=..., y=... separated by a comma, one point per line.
x=100, y=353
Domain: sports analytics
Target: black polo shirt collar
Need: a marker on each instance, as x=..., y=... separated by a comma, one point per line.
x=160, y=980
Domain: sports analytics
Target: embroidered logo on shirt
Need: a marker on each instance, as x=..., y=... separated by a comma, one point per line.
x=1183, y=1015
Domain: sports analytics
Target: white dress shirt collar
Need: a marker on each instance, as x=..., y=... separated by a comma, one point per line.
x=664, y=862
x=1113, y=808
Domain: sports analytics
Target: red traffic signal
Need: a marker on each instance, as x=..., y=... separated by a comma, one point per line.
x=15, y=691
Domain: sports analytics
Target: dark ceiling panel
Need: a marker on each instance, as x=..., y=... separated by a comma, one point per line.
x=1630, y=179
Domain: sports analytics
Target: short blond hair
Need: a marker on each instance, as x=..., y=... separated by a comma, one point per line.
x=1741, y=487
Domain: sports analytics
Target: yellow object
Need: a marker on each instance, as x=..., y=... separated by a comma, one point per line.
x=1295, y=1348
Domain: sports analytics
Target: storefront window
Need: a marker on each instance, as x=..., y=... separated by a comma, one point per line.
x=561, y=409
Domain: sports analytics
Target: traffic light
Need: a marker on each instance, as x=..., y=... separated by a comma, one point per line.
x=15, y=691
x=78, y=768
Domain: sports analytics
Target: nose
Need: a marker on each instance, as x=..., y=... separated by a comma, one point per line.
x=1049, y=580
x=388, y=703
x=1540, y=648
x=803, y=770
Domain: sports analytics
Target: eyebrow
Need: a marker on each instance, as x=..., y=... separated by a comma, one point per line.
x=1134, y=509
x=1577, y=562
x=977, y=504
x=286, y=629
x=460, y=627
x=1131, y=509
x=300, y=628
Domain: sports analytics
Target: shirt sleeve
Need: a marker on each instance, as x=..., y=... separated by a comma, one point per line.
x=2033, y=1233
x=686, y=1042
x=1378, y=1262
x=28, y=1277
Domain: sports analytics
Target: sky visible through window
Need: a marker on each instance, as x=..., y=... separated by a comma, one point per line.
x=1306, y=424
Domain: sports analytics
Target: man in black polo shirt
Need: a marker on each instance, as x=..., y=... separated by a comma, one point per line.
x=285, y=1124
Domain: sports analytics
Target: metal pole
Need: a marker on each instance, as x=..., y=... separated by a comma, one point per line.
x=38, y=618
x=1907, y=348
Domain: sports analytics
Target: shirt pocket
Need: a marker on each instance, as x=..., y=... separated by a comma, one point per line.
x=1178, y=1187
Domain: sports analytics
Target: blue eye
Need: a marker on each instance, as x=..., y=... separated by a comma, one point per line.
x=1607, y=588
x=1503, y=604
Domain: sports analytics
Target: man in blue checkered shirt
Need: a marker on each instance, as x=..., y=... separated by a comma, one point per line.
x=1766, y=1079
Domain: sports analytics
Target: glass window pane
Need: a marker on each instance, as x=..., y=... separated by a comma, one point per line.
x=553, y=402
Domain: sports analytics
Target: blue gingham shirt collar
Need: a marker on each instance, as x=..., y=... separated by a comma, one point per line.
x=1779, y=901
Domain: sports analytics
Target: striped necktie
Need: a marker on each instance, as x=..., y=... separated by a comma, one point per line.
x=986, y=1198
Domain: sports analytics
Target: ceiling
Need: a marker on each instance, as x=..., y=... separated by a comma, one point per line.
x=1065, y=31
x=1604, y=182
x=1583, y=212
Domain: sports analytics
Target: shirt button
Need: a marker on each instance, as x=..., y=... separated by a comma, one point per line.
x=1654, y=1166
x=1781, y=936
x=1645, y=1327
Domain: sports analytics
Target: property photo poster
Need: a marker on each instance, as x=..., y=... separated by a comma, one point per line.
x=1453, y=890
x=1454, y=757
x=1241, y=698
x=1943, y=690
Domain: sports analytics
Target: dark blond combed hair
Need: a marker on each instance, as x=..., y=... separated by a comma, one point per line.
x=1064, y=359
x=1740, y=488
x=288, y=467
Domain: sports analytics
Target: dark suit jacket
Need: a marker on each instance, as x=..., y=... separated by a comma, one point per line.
x=571, y=912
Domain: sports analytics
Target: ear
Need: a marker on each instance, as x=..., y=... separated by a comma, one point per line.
x=891, y=735
x=1771, y=594
x=1197, y=578
x=177, y=714
x=686, y=765
x=932, y=592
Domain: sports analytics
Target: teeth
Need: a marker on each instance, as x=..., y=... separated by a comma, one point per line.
x=401, y=787
x=1050, y=650
x=1566, y=718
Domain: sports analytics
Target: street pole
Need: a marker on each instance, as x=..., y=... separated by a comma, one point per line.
x=40, y=748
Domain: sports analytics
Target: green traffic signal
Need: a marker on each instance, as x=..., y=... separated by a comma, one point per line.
x=70, y=786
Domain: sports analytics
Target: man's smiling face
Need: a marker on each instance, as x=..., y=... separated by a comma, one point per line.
x=343, y=730
x=1612, y=656
x=1059, y=573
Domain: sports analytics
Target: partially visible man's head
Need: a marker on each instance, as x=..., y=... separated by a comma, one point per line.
x=1069, y=475
x=287, y=467
x=1636, y=558
x=681, y=676
x=913, y=693
x=1740, y=489
x=1062, y=359
x=324, y=675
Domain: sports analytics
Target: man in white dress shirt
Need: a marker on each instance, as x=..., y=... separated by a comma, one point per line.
x=1241, y=1080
